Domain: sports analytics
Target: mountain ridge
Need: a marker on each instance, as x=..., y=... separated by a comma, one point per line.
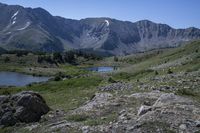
x=36, y=29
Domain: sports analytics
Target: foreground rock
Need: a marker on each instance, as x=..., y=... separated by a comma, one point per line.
x=156, y=112
x=99, y=100
x=139, y=112
x=22, y=107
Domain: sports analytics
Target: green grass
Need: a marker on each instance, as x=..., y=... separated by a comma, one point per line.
x=136, y=69
x=188, y=92
x=89, y=120
x=73, y=70
x=152, y=126
x=6, y=130
x=101, y=120
x=133, y=75
x=77, y=117
x=66, y=95
x=72, y=93
x=140, y=64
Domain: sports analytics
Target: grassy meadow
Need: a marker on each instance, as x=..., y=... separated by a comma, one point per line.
x=69, y=93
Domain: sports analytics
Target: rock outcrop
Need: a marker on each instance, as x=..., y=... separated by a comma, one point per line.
x=22, y=107
x=137, y=112
x=143, y=112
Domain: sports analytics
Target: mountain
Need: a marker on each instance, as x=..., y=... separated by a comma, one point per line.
x=2, y=51
x=37, y=30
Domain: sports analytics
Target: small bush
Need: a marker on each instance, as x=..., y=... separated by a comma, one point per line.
x=111, y=80
x=169, y=71
x=6, y=92
x=7, y=59
x=156, y=73
x=57, y=78
x=187, y=92
x=116, y=59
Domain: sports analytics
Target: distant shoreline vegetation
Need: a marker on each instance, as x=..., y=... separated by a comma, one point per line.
x=54, y=57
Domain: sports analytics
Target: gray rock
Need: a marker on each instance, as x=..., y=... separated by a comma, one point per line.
x=8, y=119
x=85, y=129
x=22, y=107
x=116, y=86
x=182, y=127
x=144, y=109
x=99, y=100
x=197, y=123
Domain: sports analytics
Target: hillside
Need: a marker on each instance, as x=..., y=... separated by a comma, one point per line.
x=149, y=92
x=37, y=30
x=2, y=51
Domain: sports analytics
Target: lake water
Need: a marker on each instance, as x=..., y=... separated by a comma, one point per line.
x=18, y=79
x=101, y=69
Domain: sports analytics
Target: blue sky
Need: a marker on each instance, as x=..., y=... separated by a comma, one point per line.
x=176, y=13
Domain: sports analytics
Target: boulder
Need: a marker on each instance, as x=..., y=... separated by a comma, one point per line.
x=22, y=107
x=97, y=101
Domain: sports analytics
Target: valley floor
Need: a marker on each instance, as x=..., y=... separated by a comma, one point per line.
x=156, y=91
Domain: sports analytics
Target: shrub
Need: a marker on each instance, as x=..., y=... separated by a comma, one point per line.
x=111, y=80
x=169, y=71
x=59, y=76
x=6, y=92
x=57, y=57
x=45, y=58
x=7, y=59
x=116, y=59
x=156, y=73
x=187, y=92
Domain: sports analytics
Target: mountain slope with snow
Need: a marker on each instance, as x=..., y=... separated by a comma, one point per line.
x=37, y=30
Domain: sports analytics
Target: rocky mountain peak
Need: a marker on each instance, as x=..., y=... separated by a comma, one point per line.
x=36, y=29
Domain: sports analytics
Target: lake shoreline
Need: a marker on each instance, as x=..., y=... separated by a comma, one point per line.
x=16, y=79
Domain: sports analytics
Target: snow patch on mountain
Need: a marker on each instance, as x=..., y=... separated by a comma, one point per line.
x=13, y=18
x=13, y=22
x=107, y=22
x=15, y=14
x=8, y=33
x=26, y=26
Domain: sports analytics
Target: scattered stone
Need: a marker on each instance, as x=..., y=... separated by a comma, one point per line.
x=182, y=127
x=60, y=125
x=85, y=129
x=166, y=88
x=116, y=86
x=32, y=127
x=154, y=95
x=122, y=111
